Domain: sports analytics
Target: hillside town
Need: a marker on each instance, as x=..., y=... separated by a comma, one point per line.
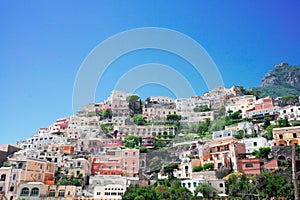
x=228, y=140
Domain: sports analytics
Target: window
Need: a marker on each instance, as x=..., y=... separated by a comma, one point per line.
x=12, y=188
x=248, y=165
x=221, y=185
x=294, y=135
x=52, y=193
x=133, y=154
x=126, y=154
x=61, y=193
x=1, y=188
x=255, y=144
x=189, y=185
x=35, y=192
x=195, y=184
x=25, y=192
x=280, y=136
x=3, y=177
x=98, y=193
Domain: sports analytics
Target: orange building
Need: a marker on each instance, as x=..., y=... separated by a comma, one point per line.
x=286, y=136
x=67, y=149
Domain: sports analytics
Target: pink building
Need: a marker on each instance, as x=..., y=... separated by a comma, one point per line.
x=99, y=145
x=115, y=162
x=264, y=103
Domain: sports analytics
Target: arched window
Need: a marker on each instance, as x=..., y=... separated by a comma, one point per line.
x=61, y=193
x=25, y=192
x=52, y=193
x=35, y=192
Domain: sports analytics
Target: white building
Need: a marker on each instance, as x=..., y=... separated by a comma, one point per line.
x=253, y=144
x=108, y=187
x=161, y=99
x=242, y=103
x=247, y=127
x=223, y=134
x=144, y=131
x=290, y=112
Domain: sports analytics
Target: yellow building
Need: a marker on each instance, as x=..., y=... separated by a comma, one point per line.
x=286, y=136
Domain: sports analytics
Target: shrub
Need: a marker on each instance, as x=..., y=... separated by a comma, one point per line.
x=209, y=166
x=198, y=168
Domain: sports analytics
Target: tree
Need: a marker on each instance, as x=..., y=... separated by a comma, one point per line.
x=262, y=152
x=269, y=132
x=138, y=119
x=173, y=118
x=203, y=126
x=240, y=134
x=267, y=122
x=205, y=189
x=132, y=141
x=159, y=144
x=283, y=122
x=169, y=168
x=204, y=108
x=134, y=104
x=107, y=114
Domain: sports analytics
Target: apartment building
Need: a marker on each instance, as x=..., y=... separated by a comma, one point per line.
x=116, y=162
x=144, y=131
x=286, y=136
x=241, y=103
x=223, y=153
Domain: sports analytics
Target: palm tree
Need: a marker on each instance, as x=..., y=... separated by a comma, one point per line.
x=205, y=189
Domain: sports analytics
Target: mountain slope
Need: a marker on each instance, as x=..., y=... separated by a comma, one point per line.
x=282, y=80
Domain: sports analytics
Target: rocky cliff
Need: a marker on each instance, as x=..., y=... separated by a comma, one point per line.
x=282, y=80
x=282, y=74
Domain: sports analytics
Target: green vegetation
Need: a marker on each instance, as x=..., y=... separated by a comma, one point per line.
x=138, y=119
x=202, y=127
x=107, y=114
x=283, y=122
x=132, y=141
x=205, y=189
x=159, y=144
x=106, y=127
x=208, y=166
x=169, y=168
x=198, y=169
x=76, y=181
x=170, y=190
x=233, y=117
x=173, y=120
x=262, y=152
x=202, y=109
x=135, y=105
x=240, y=134
x=268, y=134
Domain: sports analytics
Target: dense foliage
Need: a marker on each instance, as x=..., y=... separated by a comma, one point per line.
x=170, y=190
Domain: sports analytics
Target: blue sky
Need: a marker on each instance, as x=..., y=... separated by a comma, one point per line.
x=43, y=43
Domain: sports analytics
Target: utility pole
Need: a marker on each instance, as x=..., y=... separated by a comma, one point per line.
x=294, y=177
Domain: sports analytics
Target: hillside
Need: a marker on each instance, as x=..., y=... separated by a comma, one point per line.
x=282, y=80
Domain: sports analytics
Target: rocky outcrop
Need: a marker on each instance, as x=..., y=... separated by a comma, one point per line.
x=282, y=74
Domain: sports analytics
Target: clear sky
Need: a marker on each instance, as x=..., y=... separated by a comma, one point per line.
x=43, y=43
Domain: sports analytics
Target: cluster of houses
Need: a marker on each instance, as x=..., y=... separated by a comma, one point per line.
x=83, y=156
